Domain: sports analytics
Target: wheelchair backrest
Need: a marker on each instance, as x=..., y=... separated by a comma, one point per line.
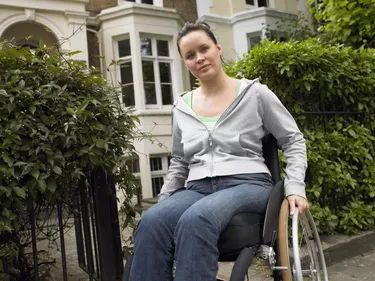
x=271, y=158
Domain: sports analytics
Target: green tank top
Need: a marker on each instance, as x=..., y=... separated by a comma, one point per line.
x=209, y=122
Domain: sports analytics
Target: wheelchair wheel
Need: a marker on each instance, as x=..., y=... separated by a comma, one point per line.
x=306, y=261
x=309, y=262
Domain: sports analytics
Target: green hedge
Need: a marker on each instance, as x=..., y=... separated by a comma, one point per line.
x=58, y=120
x=311, y=76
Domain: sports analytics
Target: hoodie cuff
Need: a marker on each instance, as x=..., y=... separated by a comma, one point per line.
x=295, y=189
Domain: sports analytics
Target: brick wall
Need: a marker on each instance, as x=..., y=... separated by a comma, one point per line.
x=98, y=5
x=186, y=8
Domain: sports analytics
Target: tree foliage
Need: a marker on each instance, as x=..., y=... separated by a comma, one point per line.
x=346, y=21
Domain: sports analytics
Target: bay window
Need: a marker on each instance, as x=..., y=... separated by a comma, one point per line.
x=156, y=71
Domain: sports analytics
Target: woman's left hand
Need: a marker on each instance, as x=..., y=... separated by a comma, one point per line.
x=295, y=200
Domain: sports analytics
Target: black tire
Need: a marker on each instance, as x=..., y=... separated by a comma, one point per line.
x=242, y=265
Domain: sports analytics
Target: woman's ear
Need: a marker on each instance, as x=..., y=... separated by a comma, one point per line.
x=219, y=48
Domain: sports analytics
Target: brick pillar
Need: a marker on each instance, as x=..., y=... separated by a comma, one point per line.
x=98, y=5
x=187, y=8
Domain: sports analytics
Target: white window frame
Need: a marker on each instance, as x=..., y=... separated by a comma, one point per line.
x=256, y=5
x=156, y=60
x=253, y=34
x=164, y=164
x=125, y=60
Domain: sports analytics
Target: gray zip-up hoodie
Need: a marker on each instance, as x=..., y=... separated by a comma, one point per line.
x=234, y=146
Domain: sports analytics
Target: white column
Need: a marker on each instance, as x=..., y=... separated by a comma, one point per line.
x=158, y=3
x=76, y=34
x=140, y=101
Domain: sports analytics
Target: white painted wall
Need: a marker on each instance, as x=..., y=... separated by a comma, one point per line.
x=204, y=7
x=63, y=18
x=303, y=8
x=253, y=21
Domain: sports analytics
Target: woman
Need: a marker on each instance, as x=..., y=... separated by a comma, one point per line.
x=217, y=148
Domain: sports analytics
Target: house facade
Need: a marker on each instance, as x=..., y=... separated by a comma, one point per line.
x=241, y=24
x=142, y=34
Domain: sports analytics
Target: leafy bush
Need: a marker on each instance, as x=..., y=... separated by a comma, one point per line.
x=346, y=21
x=341, y=163
x=59, y=121
x=313, y=76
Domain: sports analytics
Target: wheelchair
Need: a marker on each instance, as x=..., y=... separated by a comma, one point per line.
x=291, y=247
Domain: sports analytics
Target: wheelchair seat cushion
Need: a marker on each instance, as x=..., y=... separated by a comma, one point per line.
x=244, y=230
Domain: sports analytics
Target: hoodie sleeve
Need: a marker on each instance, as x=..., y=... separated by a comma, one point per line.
x=178, y=169
x=280, y=123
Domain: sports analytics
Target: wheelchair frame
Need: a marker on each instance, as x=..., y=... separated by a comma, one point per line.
x=279, y=234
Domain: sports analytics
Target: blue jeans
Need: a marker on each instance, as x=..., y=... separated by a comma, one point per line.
x=186, y=227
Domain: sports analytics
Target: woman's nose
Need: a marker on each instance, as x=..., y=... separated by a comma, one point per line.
x=200, y=57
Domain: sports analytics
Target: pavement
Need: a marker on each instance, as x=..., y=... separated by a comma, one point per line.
x=359, y=268
x=349, y=258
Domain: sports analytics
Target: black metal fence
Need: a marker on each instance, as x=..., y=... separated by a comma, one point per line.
x=97, y=228
x=97, y=233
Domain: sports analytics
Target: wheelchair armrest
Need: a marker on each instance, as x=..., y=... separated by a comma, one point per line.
x=272, y=212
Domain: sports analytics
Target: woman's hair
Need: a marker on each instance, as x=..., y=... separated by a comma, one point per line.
x=190, y=27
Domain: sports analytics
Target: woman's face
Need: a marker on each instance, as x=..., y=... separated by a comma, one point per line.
x=201, y=55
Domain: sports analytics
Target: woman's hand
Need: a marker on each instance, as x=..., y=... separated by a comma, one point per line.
x=295, y=200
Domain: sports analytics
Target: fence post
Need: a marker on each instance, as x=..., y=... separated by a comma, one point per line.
x=107, y=225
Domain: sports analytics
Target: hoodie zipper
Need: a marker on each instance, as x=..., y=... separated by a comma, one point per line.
x=211, y=152
x=230, y=108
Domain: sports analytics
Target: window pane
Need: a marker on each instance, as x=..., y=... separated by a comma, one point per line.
x=157, y=183
x=165, y=72
x=128, y=95
x=124, y=48
x=151, y=2
x=262, y=3
x=163, y=48
x=156, y=164
x=126, y=73
x=150, y=93
x=148, y=71
x=166, y=92
x=133, y=165
x=146, y=47
x=250, y=2
x=253, y=41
